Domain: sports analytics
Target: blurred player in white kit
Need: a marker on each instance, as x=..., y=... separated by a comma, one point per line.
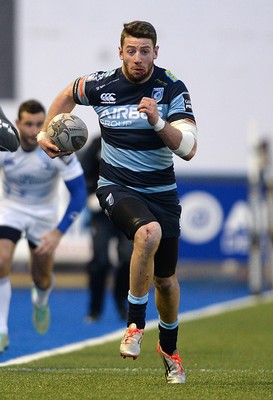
x=29, y=208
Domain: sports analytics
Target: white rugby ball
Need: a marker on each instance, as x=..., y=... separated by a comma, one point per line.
x=68, y=132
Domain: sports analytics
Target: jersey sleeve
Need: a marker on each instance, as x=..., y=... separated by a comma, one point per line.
x=83, y=86
x=180, y=104
x=79, y=91
x=85, y=89
x=77, y=202
x=176, y=96
x=72, y=173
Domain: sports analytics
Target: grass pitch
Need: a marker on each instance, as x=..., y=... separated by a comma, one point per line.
x=228, y=356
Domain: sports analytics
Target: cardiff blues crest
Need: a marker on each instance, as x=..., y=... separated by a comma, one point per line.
x=157, y=94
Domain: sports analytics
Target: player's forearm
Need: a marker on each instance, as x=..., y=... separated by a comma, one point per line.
x=63, y=103
x=170, y=136
x=180, y=137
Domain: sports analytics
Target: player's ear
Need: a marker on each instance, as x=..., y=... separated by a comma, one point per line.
x=120, y=53
x=156, y=52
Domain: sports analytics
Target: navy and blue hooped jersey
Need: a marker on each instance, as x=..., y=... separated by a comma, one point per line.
x=133, y=155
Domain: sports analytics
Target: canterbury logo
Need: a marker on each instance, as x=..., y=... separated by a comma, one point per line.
x=108, y=97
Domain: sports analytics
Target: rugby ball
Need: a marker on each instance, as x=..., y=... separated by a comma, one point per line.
x=68, y=132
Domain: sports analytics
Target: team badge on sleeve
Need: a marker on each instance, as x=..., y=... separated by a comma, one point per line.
x=187, y=102
x=170, y=75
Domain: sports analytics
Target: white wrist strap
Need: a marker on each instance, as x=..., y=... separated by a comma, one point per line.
x=42, y=135
x=159, y=125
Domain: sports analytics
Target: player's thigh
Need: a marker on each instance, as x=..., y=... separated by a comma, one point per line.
x=130, y=214
x=127, y=209
x=7, y=248
x=8, y=240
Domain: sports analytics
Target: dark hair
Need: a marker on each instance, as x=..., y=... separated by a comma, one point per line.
x=32, y=107
x=138, y=29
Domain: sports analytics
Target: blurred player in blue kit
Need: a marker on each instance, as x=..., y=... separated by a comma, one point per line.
x=145, y=116
x=103, y=231
x=30, y=209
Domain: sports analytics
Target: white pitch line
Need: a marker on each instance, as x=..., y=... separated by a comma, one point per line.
x=203, y=312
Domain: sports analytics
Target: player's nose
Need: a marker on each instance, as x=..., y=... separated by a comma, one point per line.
x=137, y=57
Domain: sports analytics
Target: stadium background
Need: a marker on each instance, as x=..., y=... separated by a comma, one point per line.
x=223, y=52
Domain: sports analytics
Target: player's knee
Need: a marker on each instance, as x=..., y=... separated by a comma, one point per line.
x=43, y=282
x=165, y=285
x=148, y=237
x=4, y=269
x=42, y=276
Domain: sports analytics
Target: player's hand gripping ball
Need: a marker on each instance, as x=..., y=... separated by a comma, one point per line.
x=68, y=132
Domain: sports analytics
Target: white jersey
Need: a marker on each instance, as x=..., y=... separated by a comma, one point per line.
x=31, y=178
x=30, y=189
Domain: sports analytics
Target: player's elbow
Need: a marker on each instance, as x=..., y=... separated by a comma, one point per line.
x=188, y=145
x=191, y=154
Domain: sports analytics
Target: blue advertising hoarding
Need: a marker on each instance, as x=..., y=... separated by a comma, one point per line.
x=215, y=219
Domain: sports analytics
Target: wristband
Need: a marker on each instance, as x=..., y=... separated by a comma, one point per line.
x=42, y=135
x=159, y=125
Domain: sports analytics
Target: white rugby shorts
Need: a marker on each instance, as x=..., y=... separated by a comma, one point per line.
x=32, y=220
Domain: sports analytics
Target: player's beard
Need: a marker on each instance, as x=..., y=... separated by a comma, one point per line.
x=135, y=76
